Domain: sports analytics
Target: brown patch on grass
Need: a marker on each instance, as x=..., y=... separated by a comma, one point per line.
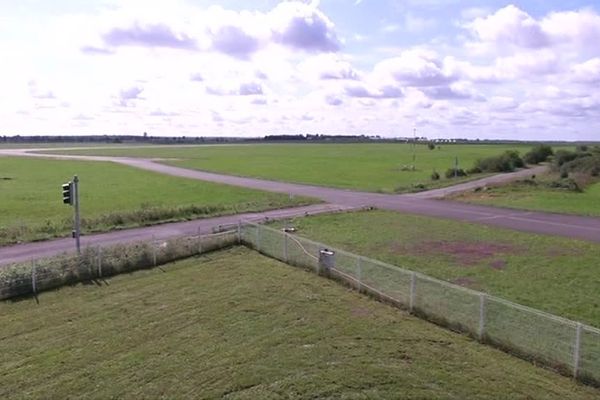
x=466, y=253
x=498, y=264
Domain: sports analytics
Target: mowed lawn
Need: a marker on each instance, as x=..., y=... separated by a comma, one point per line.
x=112, y=196
x=539, y=197
x=236, y=325
x=365, y=166
x=553, y=274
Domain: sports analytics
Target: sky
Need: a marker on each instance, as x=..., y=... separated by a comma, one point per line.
x=447, y=68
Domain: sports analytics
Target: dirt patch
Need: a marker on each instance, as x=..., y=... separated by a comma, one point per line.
x=498, y=264
x=467, y=253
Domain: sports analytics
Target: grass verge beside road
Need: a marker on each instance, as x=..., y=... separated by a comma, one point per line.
x=552, y=274
x=237, y=325
x=384, y=167
x=537, y=195
x=112, y=196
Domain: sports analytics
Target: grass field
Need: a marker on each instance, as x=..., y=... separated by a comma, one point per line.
x=111, y=196
x=538, y=197
x=236, y=325
x=553, y=274
x=369, y=167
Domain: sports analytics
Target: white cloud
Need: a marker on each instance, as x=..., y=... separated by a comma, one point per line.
x=510, y=26
x=414, y=68
x=587, y=72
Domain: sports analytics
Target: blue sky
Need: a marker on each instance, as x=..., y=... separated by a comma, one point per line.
x=526, y=70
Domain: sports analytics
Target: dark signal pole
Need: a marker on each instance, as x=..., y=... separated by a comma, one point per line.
x=70, y=196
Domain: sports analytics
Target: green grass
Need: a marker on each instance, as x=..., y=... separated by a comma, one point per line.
x=111, y=196
x=553, y=274
x=369, y=167
x=237, y=325
x=538, y=197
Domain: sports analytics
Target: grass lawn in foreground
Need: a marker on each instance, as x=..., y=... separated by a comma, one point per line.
x=112, y=196
x=365, y=166
x=538, y=197
x=237, y=325
x=553, y=274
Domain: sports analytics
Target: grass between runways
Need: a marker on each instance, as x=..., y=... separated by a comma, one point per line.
x=112, y=196
x=536, y=195
x=237, y=325
x=384, y=167
x=552, y=274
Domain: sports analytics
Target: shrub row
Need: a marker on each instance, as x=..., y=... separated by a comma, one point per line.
x=144, y=216
x=505, y=162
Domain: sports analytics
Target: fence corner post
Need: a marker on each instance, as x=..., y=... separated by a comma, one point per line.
x=481, y=328
x=413, y=291
x=285, y=248
x=258, y=226
x=199, y=242
x=154, y=250
x=577, y=349
x=33, y=278
x=358, y=273
x=99, y=262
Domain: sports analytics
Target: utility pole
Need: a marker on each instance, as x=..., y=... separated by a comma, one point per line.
x=414, y=147
x=456, y=167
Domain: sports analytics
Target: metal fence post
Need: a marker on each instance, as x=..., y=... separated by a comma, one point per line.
x=258, y=238
x=199, y=242
x=413, y=291
x=285, y=247
x=154, y=250
x=33, y=278
x=359, y=272
x=481, y=329
x=577, y=349
x=99, y=262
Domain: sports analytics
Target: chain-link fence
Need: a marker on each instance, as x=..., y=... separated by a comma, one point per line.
x=99, y=262
x=570, y=347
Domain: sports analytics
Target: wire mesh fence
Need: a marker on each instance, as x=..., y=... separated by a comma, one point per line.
x=100, y=262
x=567, y=346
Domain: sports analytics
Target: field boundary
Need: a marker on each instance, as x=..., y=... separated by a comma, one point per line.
x=568, y=347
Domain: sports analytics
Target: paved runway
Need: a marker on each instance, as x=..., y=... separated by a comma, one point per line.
x=425, y=203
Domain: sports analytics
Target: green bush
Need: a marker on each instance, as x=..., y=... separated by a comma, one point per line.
x=564, y=156
x=435, y=176
x=587, y=164
x=506, y=162
x=455, y=172
x=538, y=154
